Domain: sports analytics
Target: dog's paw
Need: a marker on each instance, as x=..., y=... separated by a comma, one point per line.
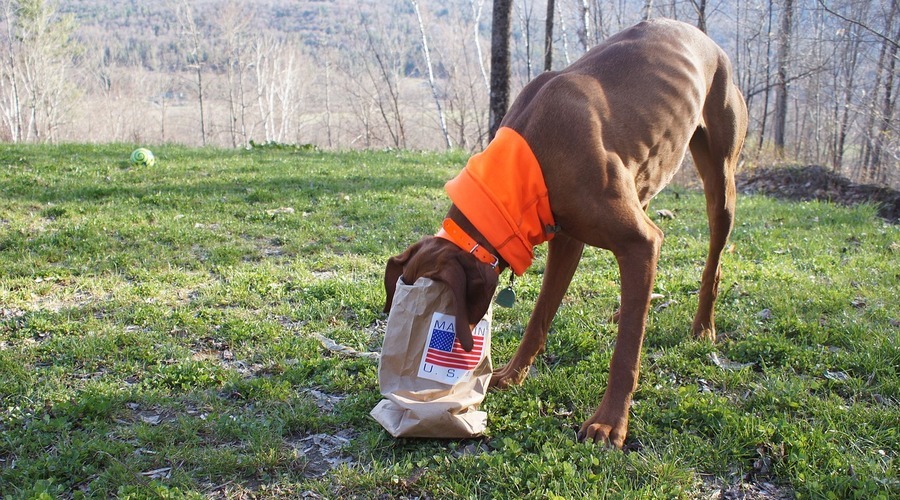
x=701, y=332
x=612, y=436
x=508, y=376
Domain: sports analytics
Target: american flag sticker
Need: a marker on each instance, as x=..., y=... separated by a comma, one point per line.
x=444, y=359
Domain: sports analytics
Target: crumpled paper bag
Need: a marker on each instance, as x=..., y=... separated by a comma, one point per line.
x=432, y=387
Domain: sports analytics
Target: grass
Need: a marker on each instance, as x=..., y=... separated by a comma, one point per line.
x=158, y=340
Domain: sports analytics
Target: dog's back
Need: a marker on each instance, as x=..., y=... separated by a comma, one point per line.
x=639, y=96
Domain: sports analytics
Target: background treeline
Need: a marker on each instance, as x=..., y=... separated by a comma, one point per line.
x=820, y=76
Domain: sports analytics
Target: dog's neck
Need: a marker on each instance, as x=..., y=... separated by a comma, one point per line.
x=501, y=200
x=466, y=226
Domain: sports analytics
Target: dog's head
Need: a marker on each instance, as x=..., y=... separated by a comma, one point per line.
x=471, y=282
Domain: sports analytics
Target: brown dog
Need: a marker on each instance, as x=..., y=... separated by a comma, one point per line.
x=608, y=133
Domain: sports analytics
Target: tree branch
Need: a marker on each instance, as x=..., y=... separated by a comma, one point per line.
x=883, y=37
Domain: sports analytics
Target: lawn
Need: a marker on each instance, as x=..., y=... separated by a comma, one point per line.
x=170, y=332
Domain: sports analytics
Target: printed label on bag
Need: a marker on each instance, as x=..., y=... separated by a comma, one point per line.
x=444, y=359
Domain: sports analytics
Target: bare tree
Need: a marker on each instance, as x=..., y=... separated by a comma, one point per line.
x=767, y=82
x=585, y=31
x=525, y=12
x=386, y=78
x=781, y=78
x=196, y=55
x=9, y=80
x=234, y=23
x=845, y=68
x=565, y=39
x=431, y=82
x=476, y=11
x=500, y=68
x=700, y=8
x=280, y=68
x=878, y=172
x=466, y=89
x=548, y=37
x=648, y=10
x=37, y=80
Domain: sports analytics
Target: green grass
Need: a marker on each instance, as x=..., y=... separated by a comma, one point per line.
x=157, y=339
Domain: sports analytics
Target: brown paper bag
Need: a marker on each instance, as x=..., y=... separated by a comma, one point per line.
x=432, y=387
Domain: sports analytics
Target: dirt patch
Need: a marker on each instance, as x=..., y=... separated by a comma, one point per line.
x=818, y=183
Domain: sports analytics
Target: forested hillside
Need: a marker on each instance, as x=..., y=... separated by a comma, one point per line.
x=819, y=76
x=134, y=32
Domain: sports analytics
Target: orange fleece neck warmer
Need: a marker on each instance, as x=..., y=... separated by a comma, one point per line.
x=502, y=192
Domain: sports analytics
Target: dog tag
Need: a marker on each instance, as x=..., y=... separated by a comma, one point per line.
x=506, y=297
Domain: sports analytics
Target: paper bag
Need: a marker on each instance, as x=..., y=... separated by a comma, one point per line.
x=433, y=388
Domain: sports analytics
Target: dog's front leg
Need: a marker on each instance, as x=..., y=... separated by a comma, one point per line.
x=563, y=255
x=637, y=260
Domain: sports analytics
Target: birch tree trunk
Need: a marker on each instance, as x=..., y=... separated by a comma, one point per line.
x=648, y=10
x=9, y=81
x=476, y=13
x=585, y=31
x=431, y=82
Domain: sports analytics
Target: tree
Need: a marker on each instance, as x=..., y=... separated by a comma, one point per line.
x=9, y=80
x=781, y=78
x=434, y=92
x=36, y=78
x=476, y=12
x=877, y=172
x=548, y=37
x=279, y=73
x=196, y=55
x=500, y=64
x=234, y=27
x=700, y=8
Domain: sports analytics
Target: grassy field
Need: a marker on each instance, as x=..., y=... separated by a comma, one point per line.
x=161, y=337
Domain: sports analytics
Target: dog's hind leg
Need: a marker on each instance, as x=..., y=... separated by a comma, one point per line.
x=563, y=255
x=715, y=147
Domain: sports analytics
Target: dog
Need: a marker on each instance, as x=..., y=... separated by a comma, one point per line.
x=578, y=157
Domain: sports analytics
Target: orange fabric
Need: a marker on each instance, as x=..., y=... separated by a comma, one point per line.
x=502, y=192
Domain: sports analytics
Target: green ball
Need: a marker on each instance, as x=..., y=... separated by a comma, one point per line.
x=143, y=157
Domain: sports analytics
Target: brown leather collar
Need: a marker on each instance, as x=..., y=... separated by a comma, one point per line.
x=451, y=231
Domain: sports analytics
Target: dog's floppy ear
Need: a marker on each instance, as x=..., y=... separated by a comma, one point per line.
x=472, y=285
x=471, y=282
x=394, y=270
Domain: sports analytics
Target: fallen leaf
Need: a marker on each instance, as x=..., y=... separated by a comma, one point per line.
x=163, y=473
x=726, y=364
x=837, y=376
x=282, y=210
x=151, y=419
x=664, y=305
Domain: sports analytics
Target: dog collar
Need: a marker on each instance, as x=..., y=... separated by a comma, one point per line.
x=451, y=231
